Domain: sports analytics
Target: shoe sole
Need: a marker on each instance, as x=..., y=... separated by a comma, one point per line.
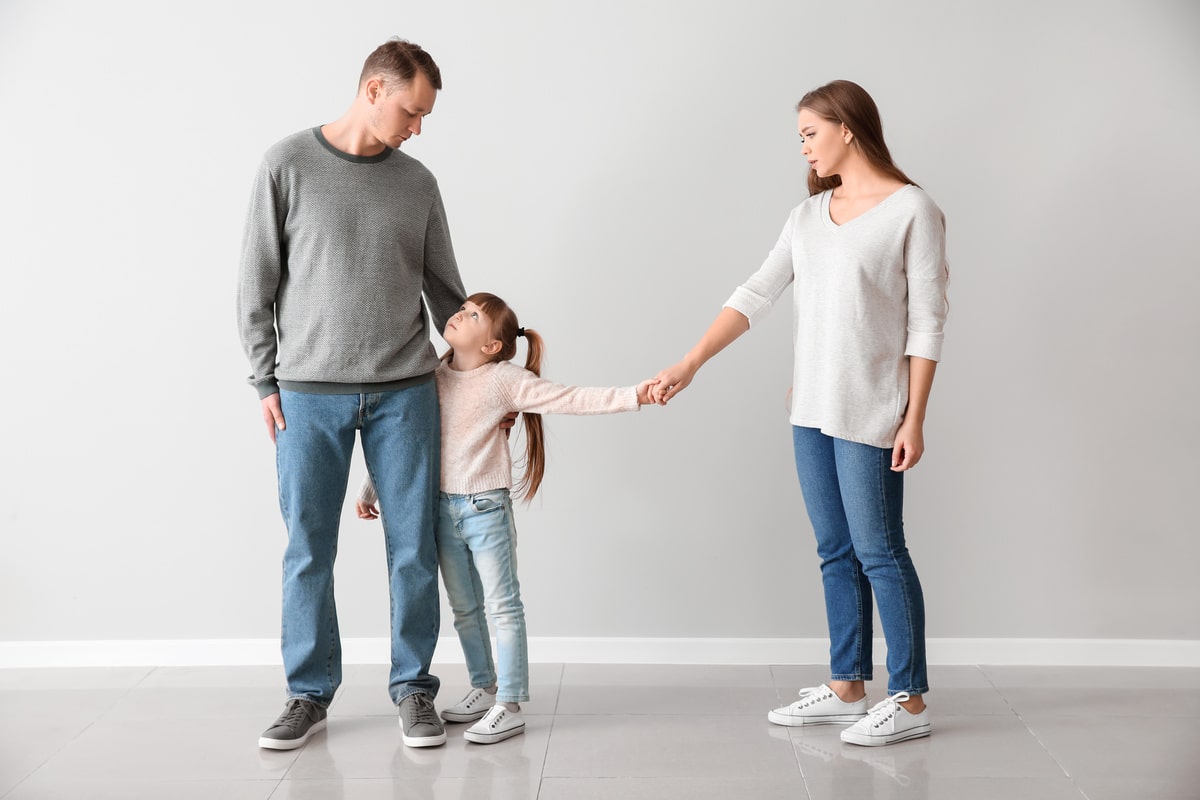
x=492, y=738
x=423, y=741
x=876, y=741
x=474, y=716
x=797, y=722
x=290, y=744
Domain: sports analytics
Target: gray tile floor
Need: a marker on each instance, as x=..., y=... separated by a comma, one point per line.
x=600, y=732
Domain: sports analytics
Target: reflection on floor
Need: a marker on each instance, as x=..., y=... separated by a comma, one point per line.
x=614, y=731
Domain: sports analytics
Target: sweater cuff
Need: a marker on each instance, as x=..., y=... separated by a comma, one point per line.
x=750, y=305
x=265, y=386
x=924, y=345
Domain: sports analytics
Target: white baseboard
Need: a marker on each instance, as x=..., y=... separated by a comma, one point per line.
x=583, y=650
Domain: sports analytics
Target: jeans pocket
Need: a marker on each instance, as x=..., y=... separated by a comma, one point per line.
x=488, y=502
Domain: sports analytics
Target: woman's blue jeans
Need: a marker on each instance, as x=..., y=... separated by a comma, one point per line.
x=401, y=441
x=477, y=549
x=855, y=503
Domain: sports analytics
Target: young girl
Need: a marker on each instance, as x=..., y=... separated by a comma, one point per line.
x=865, y=257
x=478, y=386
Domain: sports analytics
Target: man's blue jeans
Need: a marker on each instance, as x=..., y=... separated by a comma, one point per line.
x=401, y=440
x=855, y=503
x=477, y=548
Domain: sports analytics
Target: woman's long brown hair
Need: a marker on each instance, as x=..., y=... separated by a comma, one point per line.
x=847, y=103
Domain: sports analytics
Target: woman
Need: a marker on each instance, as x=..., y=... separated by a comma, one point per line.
x=865, y=254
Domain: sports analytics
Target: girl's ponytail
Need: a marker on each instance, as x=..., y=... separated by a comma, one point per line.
x=535, y=438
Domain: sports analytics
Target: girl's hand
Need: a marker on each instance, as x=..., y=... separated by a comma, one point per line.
x=909, y=447
x=643, y=392
x=671, y=381
x=366, y=511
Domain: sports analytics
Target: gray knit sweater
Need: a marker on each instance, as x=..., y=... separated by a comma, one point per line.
x=337, y=252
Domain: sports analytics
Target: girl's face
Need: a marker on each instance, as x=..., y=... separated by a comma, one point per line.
x=470, y=331
x=826, y=143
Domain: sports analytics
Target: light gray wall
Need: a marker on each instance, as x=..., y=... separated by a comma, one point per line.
x=614, y=169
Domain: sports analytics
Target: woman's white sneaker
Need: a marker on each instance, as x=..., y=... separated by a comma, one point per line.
x=497, y=725
x=470, y=708
x=887, y=723
x=819, y=705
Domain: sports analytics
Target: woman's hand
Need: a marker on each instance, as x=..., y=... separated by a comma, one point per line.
x=909, y=447
x=366, y=511
x=671, y=381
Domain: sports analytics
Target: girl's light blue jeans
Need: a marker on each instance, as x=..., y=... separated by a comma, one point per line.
x=855, y=503
x=477, y=551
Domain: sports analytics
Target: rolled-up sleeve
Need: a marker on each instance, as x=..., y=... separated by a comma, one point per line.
x=754, y=298
x=927, y=274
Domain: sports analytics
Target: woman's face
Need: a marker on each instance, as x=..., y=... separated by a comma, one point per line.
x=825, y=142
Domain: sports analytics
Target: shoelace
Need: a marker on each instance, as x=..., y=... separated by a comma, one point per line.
x=293, y=715
x=420, y=711
x=813, y=694
x=884, y=710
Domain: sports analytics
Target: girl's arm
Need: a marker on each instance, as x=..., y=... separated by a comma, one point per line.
x=524, y=391
x=728, y=325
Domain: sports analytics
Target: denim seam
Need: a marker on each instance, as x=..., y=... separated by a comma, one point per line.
x=860, y=633
x=333, y=641
x=905, y=588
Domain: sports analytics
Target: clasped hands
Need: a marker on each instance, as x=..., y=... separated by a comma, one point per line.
x=666, y=384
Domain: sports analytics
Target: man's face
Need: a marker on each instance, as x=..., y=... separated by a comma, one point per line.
x=398, y=110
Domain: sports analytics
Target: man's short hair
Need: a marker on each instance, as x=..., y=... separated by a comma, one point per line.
x=397, y=61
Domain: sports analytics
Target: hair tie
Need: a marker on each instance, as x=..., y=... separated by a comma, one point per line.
x=520, y=331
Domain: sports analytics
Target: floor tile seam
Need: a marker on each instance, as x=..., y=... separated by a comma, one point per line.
x=145, y=677
x=1045, y=747
x=1033, y=733
x=704, y=713
x=546, y=752
x=799, y=767
x=278, y=785
x=558, y=690
x=49, y=758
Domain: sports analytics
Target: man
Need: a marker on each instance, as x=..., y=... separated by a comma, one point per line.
x=343, y=235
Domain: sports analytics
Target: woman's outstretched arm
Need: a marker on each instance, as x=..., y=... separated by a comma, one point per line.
x=728, y=326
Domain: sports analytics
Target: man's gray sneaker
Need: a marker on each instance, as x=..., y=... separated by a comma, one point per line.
x=419, y=723
x=299, y=720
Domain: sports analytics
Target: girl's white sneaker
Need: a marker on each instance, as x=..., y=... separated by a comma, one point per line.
x=470, y=708
x=819, y=705
x=887, y=723
x=497, y=725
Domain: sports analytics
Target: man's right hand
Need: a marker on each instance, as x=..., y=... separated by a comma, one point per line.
x=273, y=414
